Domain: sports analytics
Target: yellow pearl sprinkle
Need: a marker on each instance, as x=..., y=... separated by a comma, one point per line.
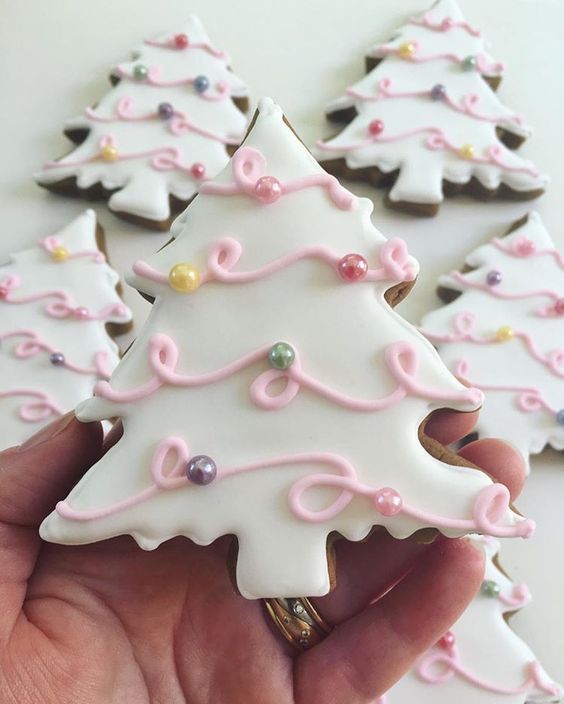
x=406, y=50
x=504, y=333
x=184, y=278
x=467, y=151
x=109, y=152
x=60, y=253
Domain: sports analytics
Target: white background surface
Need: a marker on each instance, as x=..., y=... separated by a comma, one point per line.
x=55, y=56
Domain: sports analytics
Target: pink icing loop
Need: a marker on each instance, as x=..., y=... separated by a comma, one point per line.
x=125, y=108
x=394, y=259
x=107, y=140
x=166, y=160
x=465, y=323
x=523, y=247
x=223, y=256
x=259, y=390
x=34, y=411
x=249, y=166
x=437, y=667
x=530, y=401
x=175, y=477
x=436, y=140
x=444, y=25
x=518, y=598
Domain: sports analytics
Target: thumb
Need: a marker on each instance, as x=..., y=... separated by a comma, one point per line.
x=33, y=477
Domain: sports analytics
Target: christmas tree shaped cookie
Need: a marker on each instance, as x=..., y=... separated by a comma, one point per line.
x=503, y=331
x=58, y=304
x=173, y=115
x=273, y=393
x=425, y=121
x=480, y=660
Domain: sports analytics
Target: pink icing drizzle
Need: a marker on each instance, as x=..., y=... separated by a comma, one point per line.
x=482, y=64
x=494, y=290
x=34, y=411
x=33, y=345
x=465, y=324
x=443, y=25
x=222, y=88
x=466, y=105
x=51, y=242
x=524, y=247
x=226, y=252
x=179, y=124
x=529, y=399
x=249, y=165
x=162, y=158
x=436, y=140
x=437, y=667
x=400, y=359
x=62, y=307
x=518, y=598
x=490, y=505
x=170, y=44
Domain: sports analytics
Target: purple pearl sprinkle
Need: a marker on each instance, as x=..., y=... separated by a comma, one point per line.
x=438, y=92
x=493, y=278
x=57, y=359
x=165, y=110
x=201, y=470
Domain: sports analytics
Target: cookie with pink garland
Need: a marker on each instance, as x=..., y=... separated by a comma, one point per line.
x=425, y=122
x=273, y=393
x=58, y=309
x=171, y=119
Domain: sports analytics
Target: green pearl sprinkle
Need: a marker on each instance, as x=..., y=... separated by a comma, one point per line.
x=281, y=355
x=469, y=63
x=490, y=588
x=140, y=72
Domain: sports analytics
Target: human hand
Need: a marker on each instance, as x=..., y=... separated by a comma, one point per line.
x=109, y=623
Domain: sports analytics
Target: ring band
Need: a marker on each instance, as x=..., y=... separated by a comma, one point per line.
x=298, y=621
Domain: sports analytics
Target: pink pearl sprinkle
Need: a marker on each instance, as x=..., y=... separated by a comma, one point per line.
x=222, y=86
x=81, y=313
x=524, y=247
x=4, y=291
x=375, y=127
x=198, y=170
x=388, y=502
x=447, y=641
x=352, y=267
x=268, y=189
x=559, y=306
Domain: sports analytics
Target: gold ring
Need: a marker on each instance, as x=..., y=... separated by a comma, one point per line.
x=298, y=621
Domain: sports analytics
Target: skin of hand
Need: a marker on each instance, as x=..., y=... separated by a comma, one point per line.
x=108, y=623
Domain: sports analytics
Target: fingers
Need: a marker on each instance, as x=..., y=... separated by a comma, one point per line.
x=498, y=459
x=365, y=571
x=448, y=426
x=33, y=477
x=363, y=658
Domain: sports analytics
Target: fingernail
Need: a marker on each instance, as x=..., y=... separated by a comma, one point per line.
x=48, y=433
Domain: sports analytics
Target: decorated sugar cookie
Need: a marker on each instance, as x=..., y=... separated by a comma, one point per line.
x=480, y=660
x=425, y=121
x=503, y=331
x=175, y=113
x=273, y=393
x=58, y=304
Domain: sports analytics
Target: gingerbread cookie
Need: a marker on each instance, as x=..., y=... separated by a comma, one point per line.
x=503, y=331
x=56, y=302
x=425, y=121
x=480, y=660
x=273, y=393
x=170, y=121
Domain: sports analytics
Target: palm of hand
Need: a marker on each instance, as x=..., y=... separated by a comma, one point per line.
x=109, y=623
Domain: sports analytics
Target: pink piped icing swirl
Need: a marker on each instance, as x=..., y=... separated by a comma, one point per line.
x=445, y=25
x=34, y=411
x=523, y=247
x=249, y=168
x=519, y=597
x=222, y=88
x=50, y=243
x=171, y=44
x=483, y=65
x=438, y=667
x=490, y=505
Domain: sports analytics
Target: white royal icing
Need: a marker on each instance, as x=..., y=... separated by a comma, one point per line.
x=340, y=330
x=488, y=652
x=531, y=364
x=141, y=189
x=422, y=169
x=29, y=335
